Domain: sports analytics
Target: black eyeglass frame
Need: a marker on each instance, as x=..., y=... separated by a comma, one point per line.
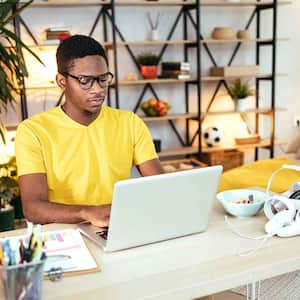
x=93, y=78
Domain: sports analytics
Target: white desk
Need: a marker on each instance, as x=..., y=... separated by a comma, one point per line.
x=183, y=268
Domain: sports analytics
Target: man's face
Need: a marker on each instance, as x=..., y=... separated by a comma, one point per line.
x=78, y=98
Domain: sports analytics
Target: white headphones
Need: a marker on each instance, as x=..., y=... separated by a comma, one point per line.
x=283, y=211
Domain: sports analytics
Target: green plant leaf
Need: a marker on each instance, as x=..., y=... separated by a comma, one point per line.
x=148, y=59
x=6, y=8
x=12, y=64
x=240, y=90
x=8, y=182
x=11, y=4
x=14, y=37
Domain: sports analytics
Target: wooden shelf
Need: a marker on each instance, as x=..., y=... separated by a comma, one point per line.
x=158, y=80
x=205, y=149
x=193, y=80
x=193, y=116
x=216, y=78
x=262, y=111
x=60, y=3
x=169, y=80
x=108, y=45
x=263, y=143
x=153, y=3
x=242, y=3
x=169, y=117
x=178, y=151
x=184, y=42
x=42, y=87
x=117, y=3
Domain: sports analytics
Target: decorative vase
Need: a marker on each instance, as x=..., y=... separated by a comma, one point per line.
x=222, y=33
x=149, y=72
x=243, y=34
x=154, y=35
x=241, y=104
x=7, y=218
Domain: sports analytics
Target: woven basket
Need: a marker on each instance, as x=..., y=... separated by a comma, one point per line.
x=228, y=159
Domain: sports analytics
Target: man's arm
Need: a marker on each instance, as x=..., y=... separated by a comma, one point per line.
x=37, y=208
x=150, y=167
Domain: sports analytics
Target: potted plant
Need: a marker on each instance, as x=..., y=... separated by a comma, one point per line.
x=148, y=62
x=240, y=91
x=9, y=191
x=12, y=64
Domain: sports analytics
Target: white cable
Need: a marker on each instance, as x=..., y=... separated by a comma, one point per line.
x=264, y=239
x=234, y=230
x=253, y=250
x=270, y=180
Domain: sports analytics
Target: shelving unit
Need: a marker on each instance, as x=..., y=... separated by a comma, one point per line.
x=107, y=12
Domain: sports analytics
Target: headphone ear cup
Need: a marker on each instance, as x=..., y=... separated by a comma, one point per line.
x=292, y=229
x=280, y=220
x=275, y=204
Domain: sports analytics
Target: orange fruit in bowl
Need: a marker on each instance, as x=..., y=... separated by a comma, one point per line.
x=160, y=105
x=163, y=112
x=152, y=101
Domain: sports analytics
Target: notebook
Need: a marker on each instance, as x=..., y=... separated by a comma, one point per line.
x=157, y=208
x=64, y=249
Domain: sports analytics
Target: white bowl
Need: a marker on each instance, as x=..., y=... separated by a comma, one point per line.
x=228, y=198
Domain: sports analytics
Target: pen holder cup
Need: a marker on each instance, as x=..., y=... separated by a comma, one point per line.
x=22, y=281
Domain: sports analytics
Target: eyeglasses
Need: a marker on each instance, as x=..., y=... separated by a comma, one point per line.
x=86, y=82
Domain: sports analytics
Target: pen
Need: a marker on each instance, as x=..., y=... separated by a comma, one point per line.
x=21, y=251
x=58, y=257
x=1, y=254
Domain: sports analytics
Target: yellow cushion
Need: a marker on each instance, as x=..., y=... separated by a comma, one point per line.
x=258, y=173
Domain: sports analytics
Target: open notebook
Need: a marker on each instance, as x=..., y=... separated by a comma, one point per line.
x=66, y=249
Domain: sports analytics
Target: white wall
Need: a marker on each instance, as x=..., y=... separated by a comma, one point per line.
x=132, y=22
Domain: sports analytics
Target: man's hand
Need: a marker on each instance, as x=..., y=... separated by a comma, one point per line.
x=97, y=215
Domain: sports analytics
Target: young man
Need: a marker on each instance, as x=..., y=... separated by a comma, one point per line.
x=69, y=157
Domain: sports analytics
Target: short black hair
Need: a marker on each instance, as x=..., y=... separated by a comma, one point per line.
x=77, y=46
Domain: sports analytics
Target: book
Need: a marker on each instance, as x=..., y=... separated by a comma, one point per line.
x=184, y=66
x=53, y=42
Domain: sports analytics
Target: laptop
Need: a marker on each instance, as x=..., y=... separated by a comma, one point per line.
x=157, y=208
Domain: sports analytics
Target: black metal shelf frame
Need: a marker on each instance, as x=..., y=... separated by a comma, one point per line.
x=184, y=14
x=256, y=13
x=107, y=13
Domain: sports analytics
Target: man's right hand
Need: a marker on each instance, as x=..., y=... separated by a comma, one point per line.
x=97, y=215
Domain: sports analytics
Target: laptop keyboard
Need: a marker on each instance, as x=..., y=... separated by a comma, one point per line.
x=102, y=233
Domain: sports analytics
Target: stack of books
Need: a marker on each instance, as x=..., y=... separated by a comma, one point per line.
x=179, y=70
x=54, y=35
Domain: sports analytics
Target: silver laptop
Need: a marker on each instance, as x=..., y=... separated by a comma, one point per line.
x=156, y=208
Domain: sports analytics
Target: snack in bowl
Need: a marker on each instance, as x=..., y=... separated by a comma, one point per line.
x=155, y=108
x=242, y=202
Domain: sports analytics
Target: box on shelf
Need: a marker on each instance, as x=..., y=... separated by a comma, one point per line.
x=249, y=139
x=170, y=166
x=228, y=159
x=234, y=70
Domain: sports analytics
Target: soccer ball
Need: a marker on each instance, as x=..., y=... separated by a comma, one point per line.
x=212, y=136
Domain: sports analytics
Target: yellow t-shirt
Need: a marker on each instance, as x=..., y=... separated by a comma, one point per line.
x=82, y=163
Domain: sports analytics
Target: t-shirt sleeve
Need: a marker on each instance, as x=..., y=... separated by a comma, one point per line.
x=28, y=152
x=143, y=144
